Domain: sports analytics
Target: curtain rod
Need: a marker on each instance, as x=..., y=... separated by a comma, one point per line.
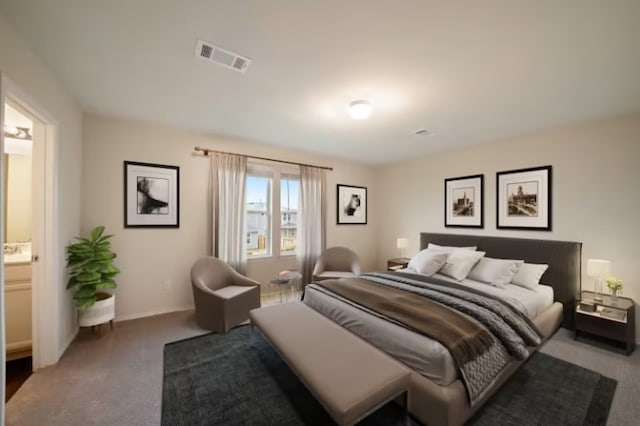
x=207, y=151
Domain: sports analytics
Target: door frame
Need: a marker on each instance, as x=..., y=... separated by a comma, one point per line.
x=45, y=296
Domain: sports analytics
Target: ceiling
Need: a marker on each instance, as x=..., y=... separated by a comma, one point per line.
x=469, y=71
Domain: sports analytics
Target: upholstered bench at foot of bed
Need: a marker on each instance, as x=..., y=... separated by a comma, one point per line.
x=348, y=376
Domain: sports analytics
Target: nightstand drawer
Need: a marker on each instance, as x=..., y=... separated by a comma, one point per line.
x=602, y=327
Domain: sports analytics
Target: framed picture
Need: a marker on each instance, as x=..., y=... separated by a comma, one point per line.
x=151, y=195
x=463, y=202
x=351, y=205
x=524, y=199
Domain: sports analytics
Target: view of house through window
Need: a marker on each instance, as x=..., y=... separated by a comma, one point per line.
x=258, y=220
x=265, y=204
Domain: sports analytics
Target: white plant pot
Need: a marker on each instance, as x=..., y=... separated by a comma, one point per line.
x=102, y=311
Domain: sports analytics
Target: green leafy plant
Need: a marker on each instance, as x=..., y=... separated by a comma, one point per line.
x=614, y=284
x=90, y=263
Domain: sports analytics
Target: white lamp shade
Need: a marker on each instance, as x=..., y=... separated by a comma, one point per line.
x=402, y=243
x=598, y=267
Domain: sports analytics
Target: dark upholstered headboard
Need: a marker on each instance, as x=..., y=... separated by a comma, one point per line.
x=563, y=257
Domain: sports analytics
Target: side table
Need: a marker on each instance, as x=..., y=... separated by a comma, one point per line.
x=613, y=319
x=286, y=285
x=398, y=263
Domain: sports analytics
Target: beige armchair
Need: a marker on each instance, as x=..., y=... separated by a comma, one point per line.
x=336, y=262
x=223, y=297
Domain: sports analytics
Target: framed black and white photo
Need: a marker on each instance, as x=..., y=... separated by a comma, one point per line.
x=463, y=205
x=524, y=199
x=151, y=195
x=352, y=205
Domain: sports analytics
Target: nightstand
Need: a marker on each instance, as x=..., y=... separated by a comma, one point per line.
x=397, y=264
x=613, y=320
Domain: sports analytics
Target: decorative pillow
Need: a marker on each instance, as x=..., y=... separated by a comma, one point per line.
x=528, y=275
x=446, y=249
x=427, y=262
x=460, y=262
x=497, y=272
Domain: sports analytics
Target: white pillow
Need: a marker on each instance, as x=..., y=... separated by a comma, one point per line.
x=446, y=249
x=460, y=262
x=528, y=275
x=497, y=272
x=427, y=262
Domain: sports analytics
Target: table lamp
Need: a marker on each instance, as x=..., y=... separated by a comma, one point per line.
x=597, y=269
x=402, y=243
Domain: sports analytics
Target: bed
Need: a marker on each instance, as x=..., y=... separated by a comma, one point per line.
x=438, y=394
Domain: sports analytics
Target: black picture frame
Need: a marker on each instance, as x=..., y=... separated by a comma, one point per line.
x=533, y=187
x=471, y=213
x=351, y=205
x=151, y=195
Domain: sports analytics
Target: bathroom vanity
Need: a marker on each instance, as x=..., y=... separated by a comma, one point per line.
x=17, y=291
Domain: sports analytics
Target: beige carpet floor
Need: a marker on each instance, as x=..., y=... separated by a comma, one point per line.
x=116, y=378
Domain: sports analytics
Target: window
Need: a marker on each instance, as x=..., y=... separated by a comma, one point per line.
x=271, y=211
x=258, y=215
x=289, y=190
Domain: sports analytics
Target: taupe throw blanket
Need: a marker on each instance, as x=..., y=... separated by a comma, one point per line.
x=464, y=338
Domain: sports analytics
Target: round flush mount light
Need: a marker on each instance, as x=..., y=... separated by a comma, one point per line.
x=360, y=109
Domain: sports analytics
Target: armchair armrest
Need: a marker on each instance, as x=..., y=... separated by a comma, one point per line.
x=206, y=291
x=239, y=279
x=319, y=266
x=355, y=267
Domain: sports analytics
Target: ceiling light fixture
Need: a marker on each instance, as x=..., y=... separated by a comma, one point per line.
x=360, y=110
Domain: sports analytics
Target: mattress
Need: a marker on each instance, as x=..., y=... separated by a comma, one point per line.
x=426, y=356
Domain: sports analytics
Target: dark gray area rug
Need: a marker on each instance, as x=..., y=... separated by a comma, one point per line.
x=233, y=380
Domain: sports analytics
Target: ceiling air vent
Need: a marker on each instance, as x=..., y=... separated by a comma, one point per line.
x=220, y=56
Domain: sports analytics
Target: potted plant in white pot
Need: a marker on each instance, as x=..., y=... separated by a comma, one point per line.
x=90, y=264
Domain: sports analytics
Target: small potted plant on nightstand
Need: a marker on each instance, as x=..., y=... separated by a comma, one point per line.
x=615, y=285
x=90, y=264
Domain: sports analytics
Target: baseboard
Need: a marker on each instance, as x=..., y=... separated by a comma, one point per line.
x=13, y=355
x=153, y=313
x=65, y=345
x=18, y=346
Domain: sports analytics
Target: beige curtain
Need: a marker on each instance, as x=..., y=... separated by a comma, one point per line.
x=311, y=220
x=228, y=178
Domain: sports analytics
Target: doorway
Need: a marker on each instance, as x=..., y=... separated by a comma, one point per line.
x=47, y=259
x=21, y=132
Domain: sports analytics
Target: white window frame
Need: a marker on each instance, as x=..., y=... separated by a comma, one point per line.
x=264, y=172
x=275, y=173
x=286, y=173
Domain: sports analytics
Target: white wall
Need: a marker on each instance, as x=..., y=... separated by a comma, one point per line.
x=19, y=64
x=147, y=257
x=596, y=193
x=18, y=193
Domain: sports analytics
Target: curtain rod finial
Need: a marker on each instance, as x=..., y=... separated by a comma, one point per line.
x=205, y=151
